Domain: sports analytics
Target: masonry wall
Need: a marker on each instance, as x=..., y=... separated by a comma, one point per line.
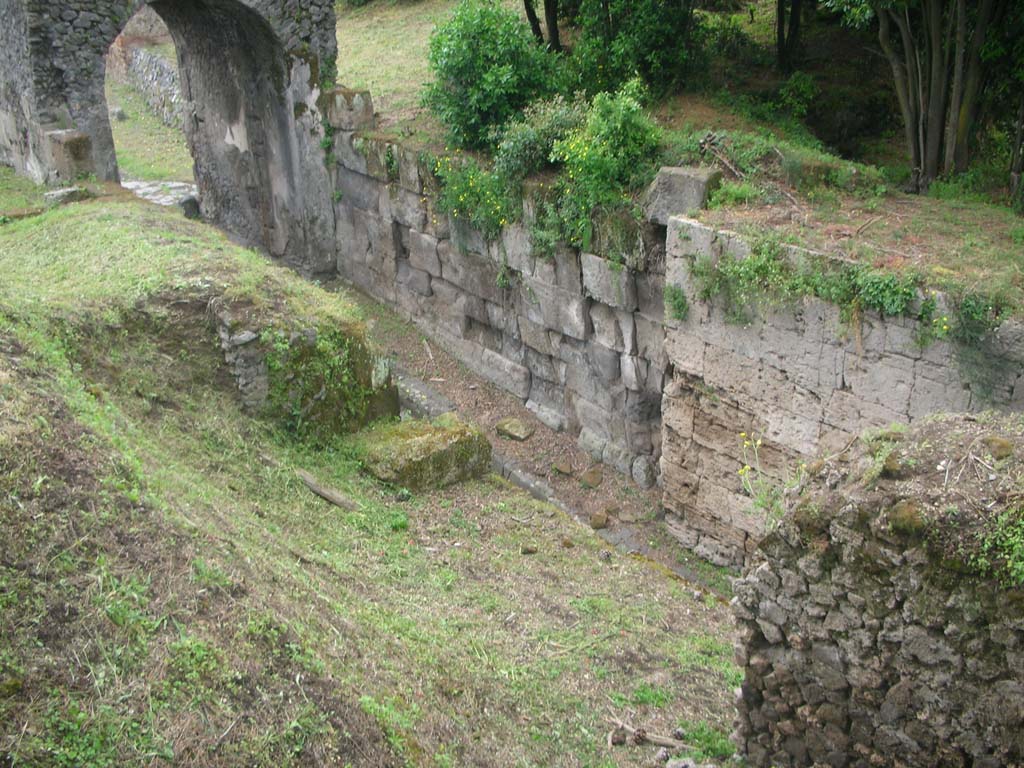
x=577, y=337
x=803, y=382
x=865, y=638
x=151, y=74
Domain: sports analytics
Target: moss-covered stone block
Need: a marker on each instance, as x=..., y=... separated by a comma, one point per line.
x=422, y=455
x=325, y=381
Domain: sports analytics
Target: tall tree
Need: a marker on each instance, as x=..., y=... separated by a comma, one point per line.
x=787, y=32
x=935, y=50
x=550, y=20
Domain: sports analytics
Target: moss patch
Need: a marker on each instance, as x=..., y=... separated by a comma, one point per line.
x=423, y=455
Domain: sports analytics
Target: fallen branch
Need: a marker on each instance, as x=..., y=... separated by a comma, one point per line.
x=641, y=736
x=868, y=223
x=337, y=498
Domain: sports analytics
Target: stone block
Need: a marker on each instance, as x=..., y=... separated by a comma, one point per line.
x=508, y=375
x=472, y=272
x=70, y=154
x=359, y=191
x=610, y=283
x=415, y=280
x=678, y=191
x=348, y=110
x=425, y=455
x=515, y=248
x=535, y=336
x=407, y=208
x=650, y=294
x=348, y=153
x=604, y=363
x=686, y=238
x=423, y=253
x=553, y=308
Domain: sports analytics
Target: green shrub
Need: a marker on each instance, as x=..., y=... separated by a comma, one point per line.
x=487, y=66
x=676, y=305
x=621, y=39
x=604, y=158
x=766, y=275
x=484, y=198
x=525, y=144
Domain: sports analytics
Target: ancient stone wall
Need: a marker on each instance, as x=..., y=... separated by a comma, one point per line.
x=586, y=343
x=870, y=634
x=153, y=75
x=577, y=337
x=799, y=379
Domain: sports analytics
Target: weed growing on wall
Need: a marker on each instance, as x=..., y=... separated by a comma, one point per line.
x=676, y=304
x=483, y=197
x=767, y=276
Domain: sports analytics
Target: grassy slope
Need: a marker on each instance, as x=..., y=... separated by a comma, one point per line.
x=147, y=150
x=165, y=560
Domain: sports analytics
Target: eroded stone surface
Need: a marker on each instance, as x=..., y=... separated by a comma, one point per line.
x=421, y=455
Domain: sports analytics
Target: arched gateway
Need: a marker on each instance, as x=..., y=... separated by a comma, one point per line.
x=251, y=74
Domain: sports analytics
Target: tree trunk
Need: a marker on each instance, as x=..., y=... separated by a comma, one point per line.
x=935, y=92
x=973, y=81
x=906, y=92
x=793, y=36
x=531, y=16
x=780, y=34
x=551, y=19
x=1017, y=159
x=956, y=94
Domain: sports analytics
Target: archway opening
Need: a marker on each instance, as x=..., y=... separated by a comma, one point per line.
x=146, y=108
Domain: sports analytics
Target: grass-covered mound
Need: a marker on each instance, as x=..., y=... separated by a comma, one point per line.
x=117, y=266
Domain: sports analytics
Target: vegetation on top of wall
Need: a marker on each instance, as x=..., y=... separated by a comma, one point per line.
x=487, y=67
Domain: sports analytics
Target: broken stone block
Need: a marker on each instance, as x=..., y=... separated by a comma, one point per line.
x=421, y=455
x=512, y=428
x=609, y=282
x=677, y=191
x=349, y=110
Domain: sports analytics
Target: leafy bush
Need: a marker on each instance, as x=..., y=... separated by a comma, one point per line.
x=604, y=158
x=525, y=144
x=484, y=198
x=621, y=39
x=487, y=66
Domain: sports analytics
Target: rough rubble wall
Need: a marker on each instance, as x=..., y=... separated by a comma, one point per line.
x=578, y=338
x=251, y=72
x=152, y=75
x=802, y=382
x=865, y=643
x=19, y=141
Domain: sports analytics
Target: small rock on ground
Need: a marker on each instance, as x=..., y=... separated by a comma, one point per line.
x=562, y=467
x=528, y=549
x=591, y=478
x=512, y=428
x=598, y=520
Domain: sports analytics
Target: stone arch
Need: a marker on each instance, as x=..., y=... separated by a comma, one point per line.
x=251, y=71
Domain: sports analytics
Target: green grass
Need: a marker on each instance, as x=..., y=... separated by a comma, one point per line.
x=437, y=641
x=18, y=195
x=147, y=150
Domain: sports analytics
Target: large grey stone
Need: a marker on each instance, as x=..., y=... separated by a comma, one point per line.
x=349, y=110
x=608, y=282
x=678, y=191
